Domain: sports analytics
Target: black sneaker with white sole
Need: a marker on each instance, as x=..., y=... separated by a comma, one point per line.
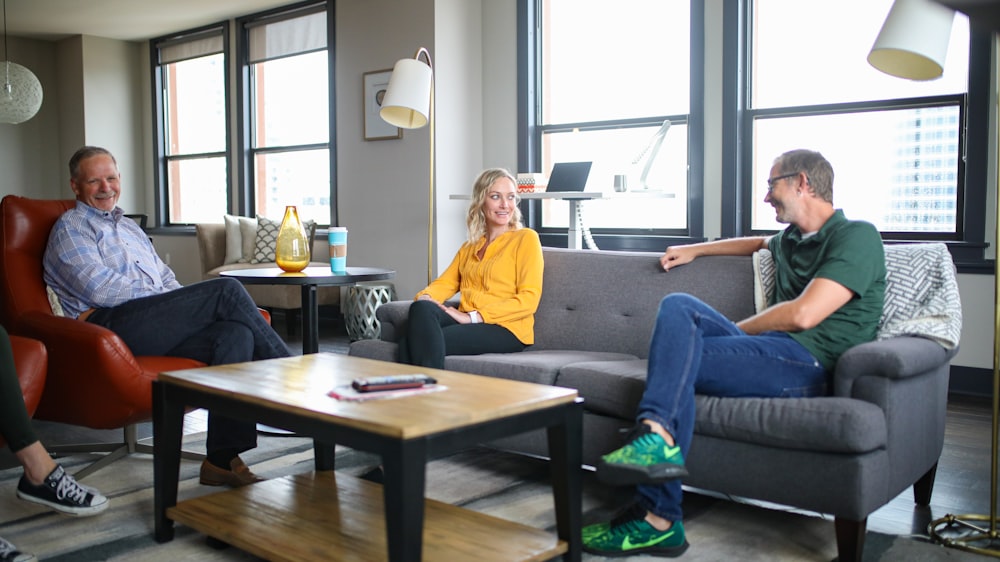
x=63, y=493
x=10, y=553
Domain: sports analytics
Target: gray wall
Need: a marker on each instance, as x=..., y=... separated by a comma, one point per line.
x=97, y=91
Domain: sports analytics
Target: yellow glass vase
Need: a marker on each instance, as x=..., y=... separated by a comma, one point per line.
x=292, y=249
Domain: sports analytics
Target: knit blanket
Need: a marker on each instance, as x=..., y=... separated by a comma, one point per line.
x=921, y=292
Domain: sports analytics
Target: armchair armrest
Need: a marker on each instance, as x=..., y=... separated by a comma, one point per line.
x=88, y=366
x=894, y=358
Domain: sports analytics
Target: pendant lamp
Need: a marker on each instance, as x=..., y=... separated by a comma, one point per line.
x=20, y=90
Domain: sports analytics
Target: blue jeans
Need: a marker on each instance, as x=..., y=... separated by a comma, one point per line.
x=694, y=349
x=215, y=322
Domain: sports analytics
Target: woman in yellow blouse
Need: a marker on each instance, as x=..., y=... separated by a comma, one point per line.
x=498, y=272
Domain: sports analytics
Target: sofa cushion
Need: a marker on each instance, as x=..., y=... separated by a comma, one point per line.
x=607, y=301
x=611, y=388
x=241, y=233
x=267, y=238
x=528, y=366
x=836, y=425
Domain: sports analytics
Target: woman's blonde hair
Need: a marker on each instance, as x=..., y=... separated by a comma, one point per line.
x=475, y=220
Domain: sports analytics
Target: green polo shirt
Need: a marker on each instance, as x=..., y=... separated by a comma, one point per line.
x=848, y=252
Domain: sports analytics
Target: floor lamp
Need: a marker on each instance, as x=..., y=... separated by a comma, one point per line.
x=913, y=44
x=409, y=103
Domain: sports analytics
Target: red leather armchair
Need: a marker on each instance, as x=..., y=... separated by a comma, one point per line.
x=31, y=362
x=93, y=379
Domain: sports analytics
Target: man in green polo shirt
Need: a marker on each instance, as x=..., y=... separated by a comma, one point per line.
x=829, y=292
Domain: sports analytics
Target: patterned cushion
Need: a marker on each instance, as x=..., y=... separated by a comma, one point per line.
x=54, y=302
x=763, y=279
x=921, y=292
x=267, y=238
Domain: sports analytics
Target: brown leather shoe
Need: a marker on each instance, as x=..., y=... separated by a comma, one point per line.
x=240, y=475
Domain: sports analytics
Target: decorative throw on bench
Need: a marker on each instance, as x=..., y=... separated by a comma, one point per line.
x=921, y=292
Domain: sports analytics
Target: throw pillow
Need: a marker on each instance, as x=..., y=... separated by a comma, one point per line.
x=267, y=238
x=763, y=279
x=234, y=240
x=54, y=302
x=241, y=233
x=248, y=235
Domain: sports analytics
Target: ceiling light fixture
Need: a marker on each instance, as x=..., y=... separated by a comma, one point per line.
x=20, y=90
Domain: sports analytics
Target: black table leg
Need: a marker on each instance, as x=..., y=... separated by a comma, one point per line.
x=310, y=320
x=168, y=429
x=324, y=455
x=566, y=452
x=405, y=477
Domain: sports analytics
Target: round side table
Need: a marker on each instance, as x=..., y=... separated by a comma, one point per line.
x=359, y=309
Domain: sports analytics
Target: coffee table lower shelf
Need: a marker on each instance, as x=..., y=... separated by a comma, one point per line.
x=324, y=516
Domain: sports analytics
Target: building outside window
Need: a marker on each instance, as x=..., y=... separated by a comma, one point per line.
x=288, y=159
x=189, y=77
x=608, y=76
x=896, y=145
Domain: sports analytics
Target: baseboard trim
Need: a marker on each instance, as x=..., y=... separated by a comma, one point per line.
x=971, y=381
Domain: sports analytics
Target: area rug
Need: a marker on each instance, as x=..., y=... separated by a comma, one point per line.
x=494, y=482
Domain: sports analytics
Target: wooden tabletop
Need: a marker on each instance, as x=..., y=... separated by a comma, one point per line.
x=301, y=384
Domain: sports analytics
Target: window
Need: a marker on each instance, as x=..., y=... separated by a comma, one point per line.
x=608, y=76
x=896, y=146
x=189, y=76
x=288, y=157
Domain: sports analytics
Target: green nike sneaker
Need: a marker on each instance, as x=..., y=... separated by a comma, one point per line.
x=629, y=534
x=646, y=459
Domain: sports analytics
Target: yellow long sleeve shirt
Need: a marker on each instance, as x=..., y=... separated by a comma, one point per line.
x=504, y=287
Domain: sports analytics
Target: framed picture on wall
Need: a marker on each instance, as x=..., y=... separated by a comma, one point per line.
x=375, y=84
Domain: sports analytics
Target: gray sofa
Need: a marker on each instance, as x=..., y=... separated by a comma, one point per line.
x=879, y=432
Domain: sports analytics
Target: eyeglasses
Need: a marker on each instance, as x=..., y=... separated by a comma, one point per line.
x=776, y=179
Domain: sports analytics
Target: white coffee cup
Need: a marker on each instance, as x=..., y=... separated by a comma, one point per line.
x=621, y=183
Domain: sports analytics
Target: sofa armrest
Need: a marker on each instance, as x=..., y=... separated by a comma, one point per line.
x=211, y=246
x=894, y=358
x=392, y=318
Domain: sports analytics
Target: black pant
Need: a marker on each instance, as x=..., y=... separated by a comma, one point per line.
x=431, y=334
x=15, y=425
x=215, y=322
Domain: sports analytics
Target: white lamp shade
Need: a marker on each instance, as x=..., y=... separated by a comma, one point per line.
x=407, y=99
x=914, y=39
x=20, y=93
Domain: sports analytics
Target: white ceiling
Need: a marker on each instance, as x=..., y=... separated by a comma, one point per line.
x=126, y=20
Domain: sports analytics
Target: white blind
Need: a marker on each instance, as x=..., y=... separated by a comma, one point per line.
x=175, y=50
x=288, y=36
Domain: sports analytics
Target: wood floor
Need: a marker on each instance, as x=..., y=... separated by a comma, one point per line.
x=963, y=477
x=962, y=485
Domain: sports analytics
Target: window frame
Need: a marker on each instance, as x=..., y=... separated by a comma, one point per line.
x=160, y=157
x=967, y=245
x=530, y=132
x=245, y=181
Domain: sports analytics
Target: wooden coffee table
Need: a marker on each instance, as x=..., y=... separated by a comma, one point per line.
x=324, y=515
